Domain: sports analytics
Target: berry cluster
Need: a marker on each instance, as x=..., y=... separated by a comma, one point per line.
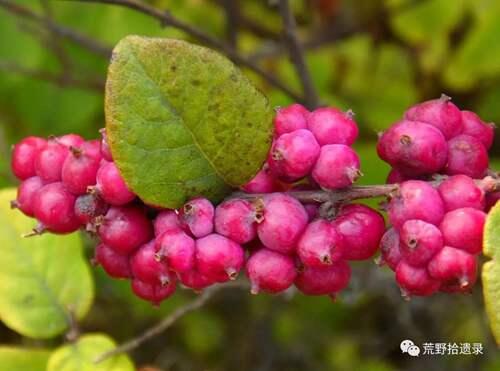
x=436, y=137
x=437, y=227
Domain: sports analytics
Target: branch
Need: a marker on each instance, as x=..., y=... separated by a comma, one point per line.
x=297, y=54
x=231, y=8
x=168, y=321
x=94, y=46
x=167, y=19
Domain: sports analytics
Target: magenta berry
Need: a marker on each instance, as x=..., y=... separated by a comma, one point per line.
x=463, y=229
x=414, y=148
x=104, y=146
x=332, y=126
x=177, y=250
x=89, y=207
x=197, y=217
x=219, y=258
x=416, y=199
x=53, y=206
x=23, y=157
x=153, y=293
x=337, y=167
x=124, y=229
x=420, y=241
x=91, y=148
x=262, y=182
x=195, y=280
x=467, y=155
x=475, y=127
x=114, y=264
x=237, y=220
x=147, y=268
x=79, y=171
x=460, y=191
x=396, y=176
x=361, y=229
x=291, y=118
x=415, y=281
x=293, y=155
x=455, y=268
x=49, y=161
x=390, y=249
x=441, y=113
x=26, y=195
x=70, y=140
x=165, y=221
x=111, y=186
x=284, y=220
x=270, y=271
x=320, y=244
x=326, y=280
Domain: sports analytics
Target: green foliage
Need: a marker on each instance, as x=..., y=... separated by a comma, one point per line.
x=183, y=121
x=23, y=359
x=81, y=356
x=43, y=279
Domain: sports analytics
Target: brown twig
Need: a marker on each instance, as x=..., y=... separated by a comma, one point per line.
x=168, y=321
x=297, y=54
x=231, y=8
x=167, y=19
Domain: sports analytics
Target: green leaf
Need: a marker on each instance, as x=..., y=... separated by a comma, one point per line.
x=23, y=359
x=491, y=270
x=183, y=121
x=41, y=278
x=80, y=356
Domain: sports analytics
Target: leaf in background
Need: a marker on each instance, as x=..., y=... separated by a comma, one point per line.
x=23, y=359
x=80, y=356
x=491, y=270
x=183, y=121
x=41, y=278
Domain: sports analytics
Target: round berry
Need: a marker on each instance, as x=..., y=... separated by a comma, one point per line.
x=70, y=140
x=332, y=126
x=79, y=171
x=477, y=128
x=326, y=280
x=153, y=293
x=320, y=244
x=26, y=195
x=337, y=167
x=197, y=217
x=236, y=219
x=420, y=241
x=111, y=186
x=23, y=157
x=146, y=267
x=177, y=250
x=262, y=182
x=454, y=268
x=50, y=160
x=114, y=264
x=195, y=280
x=468, y=156
x=463, y=229
x=290, y=118
x=415, y=281
x=165, y=221
x=460, y=191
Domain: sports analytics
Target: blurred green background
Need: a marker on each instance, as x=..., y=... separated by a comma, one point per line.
x=376, y=57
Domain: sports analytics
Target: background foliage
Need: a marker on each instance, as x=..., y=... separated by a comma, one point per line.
x=376, y=57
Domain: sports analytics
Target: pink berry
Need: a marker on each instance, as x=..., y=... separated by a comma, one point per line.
x=463, y=229
x=177, y=250
x=165, y=221
x=197, y=217
x=293, y=155
x=124, y=229
x=262, y=182
x=70, y=140
x=236, y=220
x=440, y=113
x=320, y=244
x=326, y=280
x=49, y=161
x=114, y=264
x=454, y=268
x=332, y=126
x=53, y=206
x=219, y=258
x=290, y=118
x=390, y=249
x=477, y=128
x=420, y=241
x=361, y=229
x=467, y=155
x=91, y=148
x=416, y=200
x=89, y=207
x=153, y=293
x=79, y=172
x=195, y=280
x=284, y=220
x=414, y=148
x=270, y=271
x=460, y=191
x=111, y=186
x=415, y=281
x=146, y=267
x=337, y=167
x=23, y=157
x=26, y=195
x=104, y=146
